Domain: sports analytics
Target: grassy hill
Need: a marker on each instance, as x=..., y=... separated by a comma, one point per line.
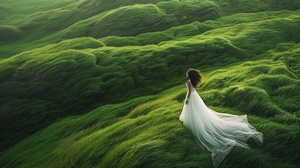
x=100, y=83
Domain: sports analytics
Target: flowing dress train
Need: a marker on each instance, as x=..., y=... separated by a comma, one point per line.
x=216, y=132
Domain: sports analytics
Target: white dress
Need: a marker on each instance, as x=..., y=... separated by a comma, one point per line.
x=216, y=132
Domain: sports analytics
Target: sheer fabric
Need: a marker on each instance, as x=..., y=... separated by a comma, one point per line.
x=216, y=132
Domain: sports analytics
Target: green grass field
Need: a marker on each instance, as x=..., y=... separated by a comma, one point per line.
x=98, y=83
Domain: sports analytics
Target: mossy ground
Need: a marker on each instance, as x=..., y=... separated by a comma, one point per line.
x=101, y=83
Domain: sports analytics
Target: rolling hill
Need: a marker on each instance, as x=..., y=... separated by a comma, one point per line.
x=97, y=83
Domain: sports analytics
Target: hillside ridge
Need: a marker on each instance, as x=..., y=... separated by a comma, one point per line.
x=96, y=82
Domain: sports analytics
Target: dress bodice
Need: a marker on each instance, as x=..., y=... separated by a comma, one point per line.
x=192, y=87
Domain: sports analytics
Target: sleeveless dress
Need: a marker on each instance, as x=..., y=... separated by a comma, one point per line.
x=216, y=132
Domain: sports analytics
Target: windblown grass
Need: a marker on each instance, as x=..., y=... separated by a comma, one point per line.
x=75, y=76
x=9, y=33
x=146, y=132
x=87, y=83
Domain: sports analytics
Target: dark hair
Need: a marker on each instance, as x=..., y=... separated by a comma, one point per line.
x=195, y=76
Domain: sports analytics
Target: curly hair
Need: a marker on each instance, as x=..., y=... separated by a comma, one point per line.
x=195, y=76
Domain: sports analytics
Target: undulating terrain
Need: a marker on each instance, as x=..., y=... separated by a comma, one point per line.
x=101, y=83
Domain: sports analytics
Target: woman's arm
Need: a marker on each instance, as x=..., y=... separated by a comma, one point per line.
x=189, y=92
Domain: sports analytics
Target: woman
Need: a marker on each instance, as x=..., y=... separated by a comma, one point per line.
x=215, y=132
